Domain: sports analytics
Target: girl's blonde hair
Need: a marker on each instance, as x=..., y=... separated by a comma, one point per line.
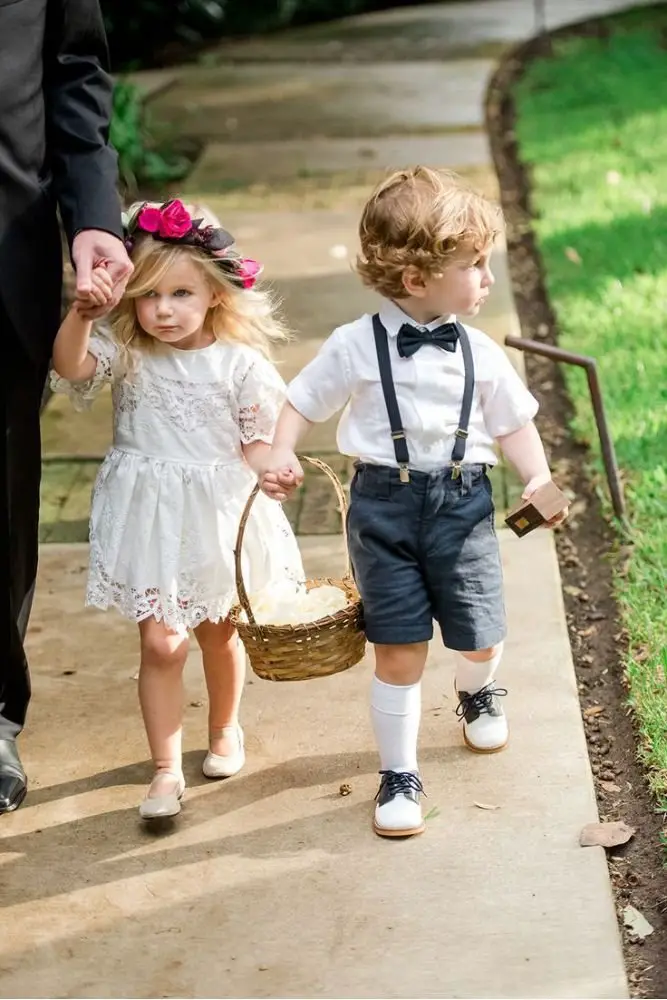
x=243, y=315
x=422, y=218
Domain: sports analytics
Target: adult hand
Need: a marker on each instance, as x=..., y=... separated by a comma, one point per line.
x=94, y=248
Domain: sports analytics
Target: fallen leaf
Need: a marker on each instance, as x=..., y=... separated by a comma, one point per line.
x=593, y=710
x=636, y=923
x=609, y=786
x=586, y=632
x=345, y=788
x=485, y=805
x=606, y=834
x=572, y=255
x=572, y=591
x=432, y=813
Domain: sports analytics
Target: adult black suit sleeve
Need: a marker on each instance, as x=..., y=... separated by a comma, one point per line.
x=78, y=98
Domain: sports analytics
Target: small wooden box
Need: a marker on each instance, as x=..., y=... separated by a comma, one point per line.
x=546, y=502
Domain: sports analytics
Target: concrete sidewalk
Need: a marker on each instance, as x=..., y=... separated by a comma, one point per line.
x=273, y=884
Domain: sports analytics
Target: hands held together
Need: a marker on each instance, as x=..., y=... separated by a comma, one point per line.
x=282, y=474
x=102, y=272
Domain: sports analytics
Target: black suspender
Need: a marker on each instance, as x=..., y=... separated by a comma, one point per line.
x=389, y=390
x=461, y=432
x=394, y=414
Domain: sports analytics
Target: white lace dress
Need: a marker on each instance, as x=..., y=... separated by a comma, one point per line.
x=169, y=495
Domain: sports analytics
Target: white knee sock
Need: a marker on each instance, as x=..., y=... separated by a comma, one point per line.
x=396, y=713
x=472, y=676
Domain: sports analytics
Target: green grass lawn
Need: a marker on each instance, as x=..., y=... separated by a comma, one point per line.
x=592, y=126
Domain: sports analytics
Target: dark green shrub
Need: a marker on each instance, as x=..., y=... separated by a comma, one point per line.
x=139, y=161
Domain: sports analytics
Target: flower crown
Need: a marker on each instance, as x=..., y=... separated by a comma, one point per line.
x=172, y=223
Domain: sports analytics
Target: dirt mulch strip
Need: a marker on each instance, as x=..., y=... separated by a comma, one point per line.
x=598, y=643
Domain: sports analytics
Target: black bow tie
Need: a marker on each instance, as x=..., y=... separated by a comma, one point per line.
x=410, y=338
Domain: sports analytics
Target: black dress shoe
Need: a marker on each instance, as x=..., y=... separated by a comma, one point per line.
x=13, y=782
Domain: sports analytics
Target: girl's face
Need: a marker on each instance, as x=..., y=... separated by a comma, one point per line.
x=175, y=310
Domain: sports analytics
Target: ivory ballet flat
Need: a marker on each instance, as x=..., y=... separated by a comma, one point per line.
x=225, y=765
x=168, y=803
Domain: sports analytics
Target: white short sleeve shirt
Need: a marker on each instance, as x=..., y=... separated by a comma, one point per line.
x=429, y=390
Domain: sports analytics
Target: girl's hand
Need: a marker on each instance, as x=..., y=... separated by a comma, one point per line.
x=528, y=491
x=278, y=485
x=97, y=299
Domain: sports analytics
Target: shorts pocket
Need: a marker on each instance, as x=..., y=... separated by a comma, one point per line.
x=371, y=484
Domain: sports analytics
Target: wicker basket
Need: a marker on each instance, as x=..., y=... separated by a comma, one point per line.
x=303, y=651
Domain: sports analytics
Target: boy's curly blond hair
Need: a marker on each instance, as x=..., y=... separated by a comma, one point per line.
x=421, y=217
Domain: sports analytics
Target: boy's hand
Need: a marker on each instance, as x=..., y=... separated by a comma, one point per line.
x=278, y=485
x=528, y=491
x=282, y=475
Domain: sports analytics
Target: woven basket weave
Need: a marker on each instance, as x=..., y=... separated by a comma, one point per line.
x=303, y=651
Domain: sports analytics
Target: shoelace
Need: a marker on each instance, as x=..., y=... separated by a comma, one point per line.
x=401, y=781
x=481, y=700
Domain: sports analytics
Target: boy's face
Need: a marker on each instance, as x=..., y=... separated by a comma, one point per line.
x=461, y=288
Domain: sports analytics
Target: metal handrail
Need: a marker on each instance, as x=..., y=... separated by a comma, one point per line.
x=606, y=444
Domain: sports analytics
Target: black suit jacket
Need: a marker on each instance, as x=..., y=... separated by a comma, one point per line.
x=55, y=105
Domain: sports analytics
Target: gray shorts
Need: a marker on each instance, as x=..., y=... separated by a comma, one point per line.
x=427, y=550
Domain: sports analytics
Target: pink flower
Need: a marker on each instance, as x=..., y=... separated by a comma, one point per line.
x=175, y=220
x=149, y=219
x=248, y=271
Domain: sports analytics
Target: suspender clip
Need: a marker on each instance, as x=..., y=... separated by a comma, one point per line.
x=404, y=473
x=460, y=433
x=456, y=470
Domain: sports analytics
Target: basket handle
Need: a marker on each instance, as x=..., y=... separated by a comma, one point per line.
x=342, y=502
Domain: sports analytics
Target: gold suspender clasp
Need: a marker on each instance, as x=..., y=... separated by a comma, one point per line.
x=404, y=473
x=456, y=470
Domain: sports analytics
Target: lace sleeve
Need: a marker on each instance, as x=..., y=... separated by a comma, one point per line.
x=260, y=396
x=108, y=370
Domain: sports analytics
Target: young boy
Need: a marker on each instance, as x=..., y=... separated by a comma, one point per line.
x=427, y=398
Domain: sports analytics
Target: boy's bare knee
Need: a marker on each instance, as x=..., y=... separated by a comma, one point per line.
x=481, y=655
x=400, y=664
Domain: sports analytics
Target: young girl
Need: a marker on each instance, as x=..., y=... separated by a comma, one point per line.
x=195, y=400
